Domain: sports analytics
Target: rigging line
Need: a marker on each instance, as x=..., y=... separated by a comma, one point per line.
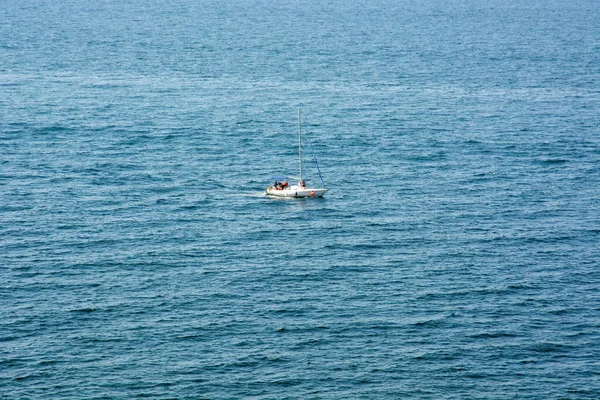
x=314, y=156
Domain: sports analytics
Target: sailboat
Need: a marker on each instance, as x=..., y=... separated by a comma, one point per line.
x=300, y=190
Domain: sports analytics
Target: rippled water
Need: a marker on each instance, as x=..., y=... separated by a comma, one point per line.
x=456, y=254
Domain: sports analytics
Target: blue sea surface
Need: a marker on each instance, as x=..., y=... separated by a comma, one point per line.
x=455, y=256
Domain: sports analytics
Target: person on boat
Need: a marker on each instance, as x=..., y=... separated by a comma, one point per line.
x=302, y=184
x=276, y=185
x=284, y=185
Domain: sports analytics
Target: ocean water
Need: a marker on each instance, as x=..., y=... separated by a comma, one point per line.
x=456, y=255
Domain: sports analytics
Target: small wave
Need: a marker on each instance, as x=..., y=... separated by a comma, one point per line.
x=492, y=335
x=477, y=375
x=528, y=361
x=552, y=161
x=435, y=156
x=84, y=310
x=548, y=348
x=429, y=322
x=53, y=129
x=287, y=382
x=192, y=207
x=31, y=376
x=189, y=337
x=577, y=334
x=102, y=339
x=368, y=246
x=585, y=392
x=560, y=311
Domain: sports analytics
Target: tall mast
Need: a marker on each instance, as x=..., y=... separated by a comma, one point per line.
x=299, y=145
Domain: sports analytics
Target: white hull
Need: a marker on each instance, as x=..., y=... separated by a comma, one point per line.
x=295, y=192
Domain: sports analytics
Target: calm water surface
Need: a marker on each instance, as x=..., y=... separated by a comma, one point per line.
x=455, y=256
